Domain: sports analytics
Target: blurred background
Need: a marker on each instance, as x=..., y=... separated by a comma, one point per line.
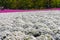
x=29, y=4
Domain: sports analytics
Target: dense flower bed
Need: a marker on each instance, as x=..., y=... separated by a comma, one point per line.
x=34, y=25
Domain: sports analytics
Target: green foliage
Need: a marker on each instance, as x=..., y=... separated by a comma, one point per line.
x=58, y=3
x=25, y=4
x=55, y=3
x=40, y=4
x=29, y=4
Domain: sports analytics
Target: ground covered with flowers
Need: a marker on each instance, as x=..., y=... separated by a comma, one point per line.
x=38, y=25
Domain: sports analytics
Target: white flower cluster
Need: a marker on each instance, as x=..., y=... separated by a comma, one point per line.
x=29, y=26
